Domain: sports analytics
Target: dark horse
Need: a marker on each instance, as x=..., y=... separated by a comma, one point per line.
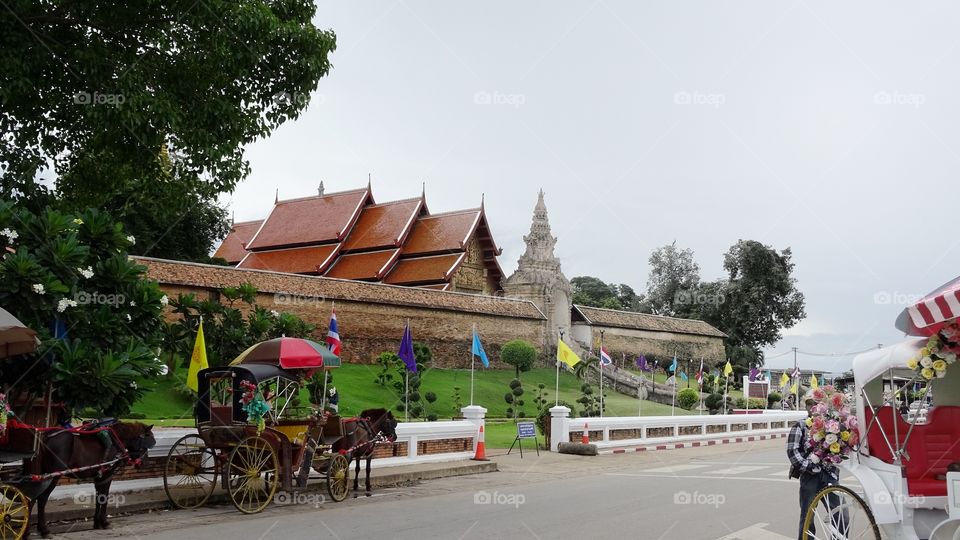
x=62, y=450
x=360, y=436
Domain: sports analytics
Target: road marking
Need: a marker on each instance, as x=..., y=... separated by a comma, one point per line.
x=729, y=471
x=783, y=473
x=754, y=532
x=674, y=468
x=705, y=477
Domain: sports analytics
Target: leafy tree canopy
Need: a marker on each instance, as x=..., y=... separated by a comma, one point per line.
x=519, y=354
x=592, y=291
x=672, y=272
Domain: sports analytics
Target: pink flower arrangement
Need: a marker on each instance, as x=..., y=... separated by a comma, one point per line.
x=832, y=429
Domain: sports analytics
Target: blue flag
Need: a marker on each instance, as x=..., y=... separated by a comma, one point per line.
x=406, y=349
x=673, y=366
x=478, y=350
x=683, y=375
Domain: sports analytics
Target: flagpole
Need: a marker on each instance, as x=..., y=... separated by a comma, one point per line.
x=406, y=387
x=473, y=359
x=726, y=388
x=557, y=392
x=700, y=385
x=601, y=373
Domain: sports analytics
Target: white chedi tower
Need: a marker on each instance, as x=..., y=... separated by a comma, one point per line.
x=539, y=279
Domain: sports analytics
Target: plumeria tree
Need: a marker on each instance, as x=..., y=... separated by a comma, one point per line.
x=99, y=319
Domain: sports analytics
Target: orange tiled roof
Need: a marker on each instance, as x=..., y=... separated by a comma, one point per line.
x=303, y=260
x=441, y=233
x=383, y=225
x=424, y=269
x=233, y=247
x=311, y=220
x=370, y=265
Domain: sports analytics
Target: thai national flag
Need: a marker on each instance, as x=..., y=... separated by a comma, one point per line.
x=605, y=359
x=333, y=336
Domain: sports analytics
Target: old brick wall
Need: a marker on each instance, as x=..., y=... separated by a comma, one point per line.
x=370, y=315
x=661, y=346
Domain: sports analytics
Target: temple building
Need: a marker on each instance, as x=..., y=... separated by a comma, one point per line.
x=349, y=235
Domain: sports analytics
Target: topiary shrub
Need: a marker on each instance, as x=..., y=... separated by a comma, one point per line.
x=773, y=397
x=688, y=398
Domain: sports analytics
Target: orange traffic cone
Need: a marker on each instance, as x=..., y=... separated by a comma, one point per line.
x=481, y=454
x=586, y=434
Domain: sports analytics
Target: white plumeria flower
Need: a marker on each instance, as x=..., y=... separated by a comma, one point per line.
x=275, y=313
x=163, y=369
x=131, y=239
x=78, y=221
x=133, y=384
x=133, y=304
x=64, y=303
x=164, y=300
x=38, y=288
x=86, y=272
x=129, y=318
x=10, y=234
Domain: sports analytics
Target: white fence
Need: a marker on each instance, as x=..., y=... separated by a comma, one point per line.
x=649, y=430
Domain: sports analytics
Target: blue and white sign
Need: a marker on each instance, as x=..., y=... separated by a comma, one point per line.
x=526, y=430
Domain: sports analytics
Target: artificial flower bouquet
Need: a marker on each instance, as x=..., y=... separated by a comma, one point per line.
x=832, y=431
x=941, y=351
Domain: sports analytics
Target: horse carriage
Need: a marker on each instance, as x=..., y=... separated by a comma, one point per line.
x=907, y=465
x=254, y=439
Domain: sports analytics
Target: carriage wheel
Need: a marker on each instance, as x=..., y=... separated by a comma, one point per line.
x=254, y=475
x=837, y=513
x=190, y=474
x=338, y=477
x=14, y=513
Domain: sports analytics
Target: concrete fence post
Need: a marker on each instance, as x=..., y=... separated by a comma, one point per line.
x=559, y=426
x=476, y=415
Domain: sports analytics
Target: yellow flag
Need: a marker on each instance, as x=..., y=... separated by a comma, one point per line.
x=784, y=380
x=727, y=369
x=813, y=381
x=198, y=360
x=566, y=355
x=793, y=389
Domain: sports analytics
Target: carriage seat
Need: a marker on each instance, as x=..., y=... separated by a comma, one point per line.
x=932, y=447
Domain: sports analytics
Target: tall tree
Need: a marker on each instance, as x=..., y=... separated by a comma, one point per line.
x=759, y=297
x=119, y=81
x=594, y=292
x=673, y=276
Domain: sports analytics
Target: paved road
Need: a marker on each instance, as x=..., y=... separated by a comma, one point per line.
x=737, y=491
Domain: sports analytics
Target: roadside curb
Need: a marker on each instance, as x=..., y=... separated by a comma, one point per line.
x=154, y=498
x=692, y=444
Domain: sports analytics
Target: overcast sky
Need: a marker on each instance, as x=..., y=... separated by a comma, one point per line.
x=827, y=128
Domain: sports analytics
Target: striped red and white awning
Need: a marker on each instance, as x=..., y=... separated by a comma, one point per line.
x=926, y=317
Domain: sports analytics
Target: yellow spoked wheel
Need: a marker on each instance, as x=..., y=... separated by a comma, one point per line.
x=253, y=469
x=338, y=477
x=837, y=513
x=190, y=473
x=14, y=513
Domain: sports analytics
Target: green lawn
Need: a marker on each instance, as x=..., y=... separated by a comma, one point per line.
x=165, y=406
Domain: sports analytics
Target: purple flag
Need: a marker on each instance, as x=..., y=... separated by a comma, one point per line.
x=642, y=363
x=406, y=349
x=754, y=374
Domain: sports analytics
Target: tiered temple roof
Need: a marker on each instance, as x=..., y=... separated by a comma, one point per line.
x=349, y=235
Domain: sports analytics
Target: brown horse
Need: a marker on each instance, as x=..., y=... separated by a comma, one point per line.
x=63, y=450
x=360, y=437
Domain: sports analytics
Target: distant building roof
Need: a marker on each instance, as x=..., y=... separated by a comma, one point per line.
x=301, y=260
x=347, y=235
x=311, y=220
x=233, y=248
x=643, y=321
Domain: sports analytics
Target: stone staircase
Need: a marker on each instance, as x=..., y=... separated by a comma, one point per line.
x=626, y=382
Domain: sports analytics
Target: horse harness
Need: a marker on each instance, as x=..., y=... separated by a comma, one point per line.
x=108, y=437
x=369, y=445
